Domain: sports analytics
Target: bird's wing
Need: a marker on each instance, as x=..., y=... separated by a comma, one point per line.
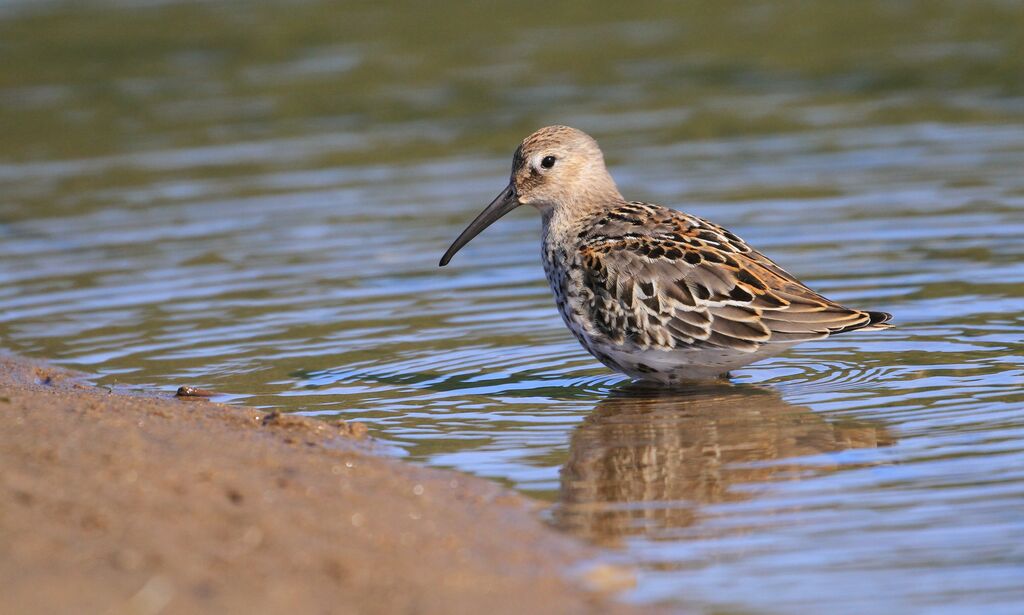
x=663, y=279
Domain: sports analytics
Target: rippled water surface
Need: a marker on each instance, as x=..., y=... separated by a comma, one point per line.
x=254, y=201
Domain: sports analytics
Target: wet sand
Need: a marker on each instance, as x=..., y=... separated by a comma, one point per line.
x=135, y=504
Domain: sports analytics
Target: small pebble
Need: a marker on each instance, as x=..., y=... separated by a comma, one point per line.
x=193, y=392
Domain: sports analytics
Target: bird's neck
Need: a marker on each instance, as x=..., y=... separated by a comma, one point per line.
x=567, y=220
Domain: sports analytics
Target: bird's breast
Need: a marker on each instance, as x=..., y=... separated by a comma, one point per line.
x=564, y=271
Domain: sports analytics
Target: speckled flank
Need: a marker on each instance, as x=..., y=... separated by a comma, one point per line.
x=652, y=292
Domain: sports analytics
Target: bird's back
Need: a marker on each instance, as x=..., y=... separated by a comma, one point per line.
x=662, y=295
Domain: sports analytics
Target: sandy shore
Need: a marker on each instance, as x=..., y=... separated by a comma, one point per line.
x=118, y=503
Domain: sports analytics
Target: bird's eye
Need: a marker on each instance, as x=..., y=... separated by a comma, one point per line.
x=548, y=162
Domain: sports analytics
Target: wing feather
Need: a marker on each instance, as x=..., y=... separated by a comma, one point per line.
x=661, y=278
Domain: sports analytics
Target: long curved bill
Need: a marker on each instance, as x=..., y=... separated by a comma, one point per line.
x=504, y=203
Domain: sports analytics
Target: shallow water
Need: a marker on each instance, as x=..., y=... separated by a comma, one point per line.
x=255, y=201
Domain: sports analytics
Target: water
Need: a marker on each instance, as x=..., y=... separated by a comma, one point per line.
x=253, y=199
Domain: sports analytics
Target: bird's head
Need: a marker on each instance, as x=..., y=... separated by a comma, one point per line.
x=556, y=169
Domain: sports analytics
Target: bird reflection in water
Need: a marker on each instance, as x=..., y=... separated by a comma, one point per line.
x=645, y=461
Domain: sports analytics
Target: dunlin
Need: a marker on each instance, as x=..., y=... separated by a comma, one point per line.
x=652, y=292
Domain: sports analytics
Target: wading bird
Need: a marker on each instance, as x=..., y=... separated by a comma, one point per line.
x=652, y=292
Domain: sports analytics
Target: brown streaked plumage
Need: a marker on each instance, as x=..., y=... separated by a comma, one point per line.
x=652, y=292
